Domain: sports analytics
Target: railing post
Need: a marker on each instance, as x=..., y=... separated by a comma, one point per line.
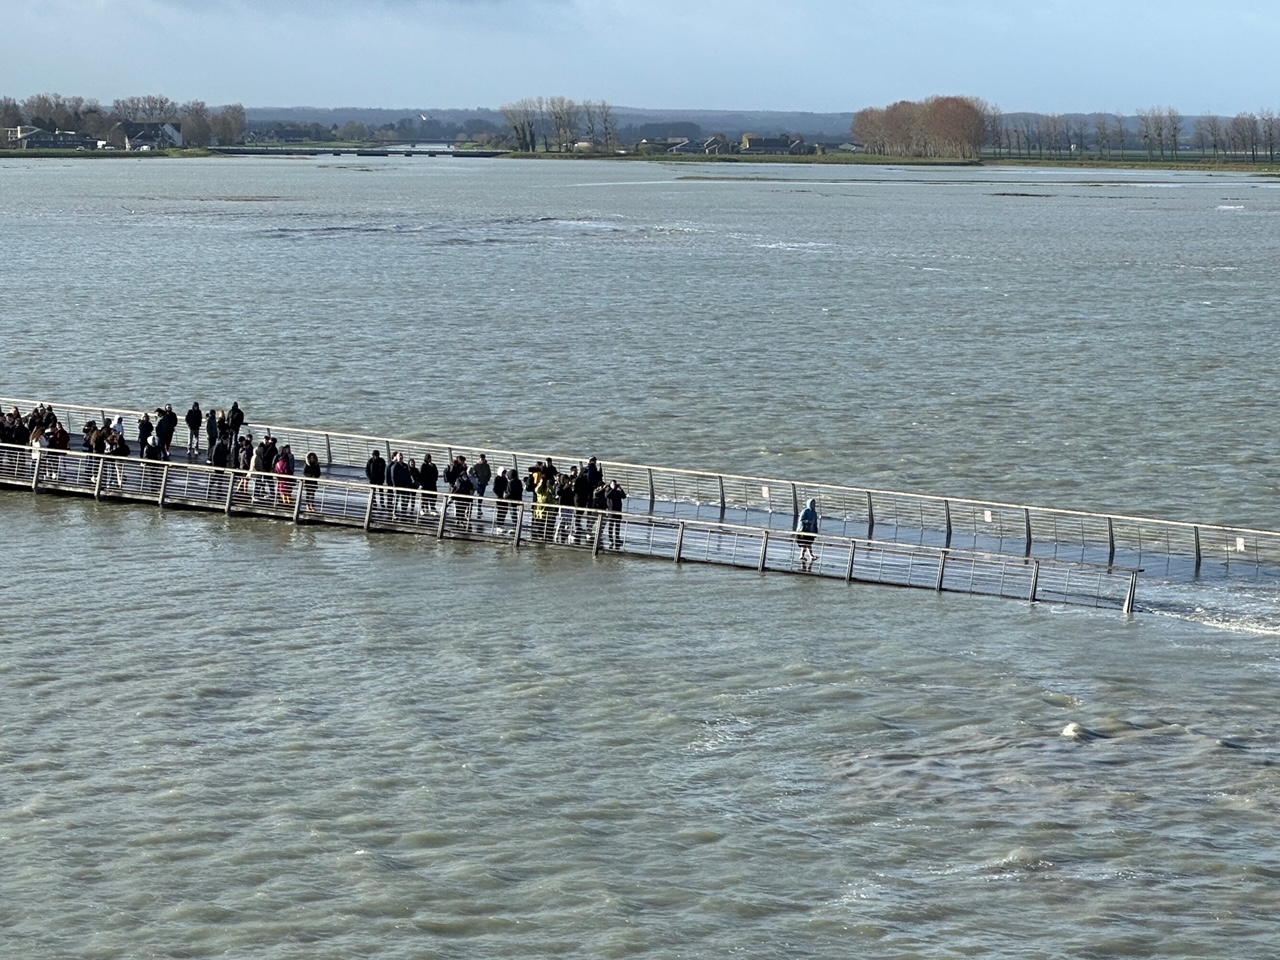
x=722, y=503
x=328, y=450
x=101, y=464
x=871, y=518
x=1196, y=530
x=297, y=502
x=368, y=510
x=388, y=443
x=848, y=570
x=1132, y=591
x=1035, y=580
x=232, y=480
x=1111, y=541
x=946, y=506
x=679, y=541
x=515, y=542
x=444, y=518
x=795, y=506
x=35, y=469
x=164, y=485
x=942, y=566
x=1026, y=520
x=595, y=543
x=652, y=494
x=764, y=551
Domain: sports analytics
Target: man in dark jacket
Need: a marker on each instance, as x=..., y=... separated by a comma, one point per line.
x=166, y=427
x=195, y=420
x=430, y=477
x=235, y=419
x=376, y=470
x=398, y=479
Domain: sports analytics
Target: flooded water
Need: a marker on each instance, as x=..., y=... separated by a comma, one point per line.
x=227, y=736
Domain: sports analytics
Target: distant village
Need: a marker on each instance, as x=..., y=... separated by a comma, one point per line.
x=167, y=135
x=960, y=128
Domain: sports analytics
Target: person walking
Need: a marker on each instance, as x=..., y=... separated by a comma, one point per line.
x=807, y=532
x=614, y=498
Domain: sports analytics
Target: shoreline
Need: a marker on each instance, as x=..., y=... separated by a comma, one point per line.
x=1091, y=162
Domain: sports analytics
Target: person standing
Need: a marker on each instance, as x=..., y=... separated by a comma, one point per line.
x=211, y=431
x=220, y=458
x=398, y=480
x=311, y=471
x=375, y=469
x=195, y=420
x=235, y=419
x=515, y=493
x=430, y=477
x=482, y=473
x=614, y=497
x=166, y=427
x=145, y=429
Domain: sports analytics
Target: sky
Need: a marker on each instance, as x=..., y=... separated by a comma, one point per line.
x=1056, y=56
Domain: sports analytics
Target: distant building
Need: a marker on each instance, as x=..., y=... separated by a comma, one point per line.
x=150, y=136
x=753, y=144
x=10, y=136
x=33, y=138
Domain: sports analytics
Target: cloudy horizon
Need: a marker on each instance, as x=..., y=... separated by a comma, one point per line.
x=819, y=56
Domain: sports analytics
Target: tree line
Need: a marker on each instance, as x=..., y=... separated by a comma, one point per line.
x=560, y=124
x=201, y=125
x=936, y=128
x=1159, y=133
x=968, y=127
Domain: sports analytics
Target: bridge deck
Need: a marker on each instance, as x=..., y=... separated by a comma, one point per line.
x=724, y=518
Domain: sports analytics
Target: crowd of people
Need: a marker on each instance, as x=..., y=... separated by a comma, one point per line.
x=561, y=499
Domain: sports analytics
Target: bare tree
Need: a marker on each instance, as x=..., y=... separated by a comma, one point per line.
x=589, y=122
x=1147, y=130
x=522, y=117
x=1200, y=135
x=1245, y=134
x=197, y=130
x=993, y=123
x=151, y=108
x=1173, y=129
x=10, y=112
x=608, y=125
x=541, y=104
x=565, y=117
x=1102, y=133
x=1269, y=132
x=229, y=124
x=1121, y=131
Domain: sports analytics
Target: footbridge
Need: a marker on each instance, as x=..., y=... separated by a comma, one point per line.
x=867, y=535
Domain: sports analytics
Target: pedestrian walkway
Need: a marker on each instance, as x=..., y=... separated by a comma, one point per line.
x=690, y=516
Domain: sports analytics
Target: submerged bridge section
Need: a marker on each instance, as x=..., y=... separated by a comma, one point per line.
x=876, y=536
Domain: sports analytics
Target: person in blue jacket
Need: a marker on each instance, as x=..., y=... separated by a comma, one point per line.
x=807, y=532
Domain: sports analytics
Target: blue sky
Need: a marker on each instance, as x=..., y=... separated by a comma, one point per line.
x=820, y=55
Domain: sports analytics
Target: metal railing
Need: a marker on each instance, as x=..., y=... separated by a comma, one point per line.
x=444, y=515
x=1171, y=549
